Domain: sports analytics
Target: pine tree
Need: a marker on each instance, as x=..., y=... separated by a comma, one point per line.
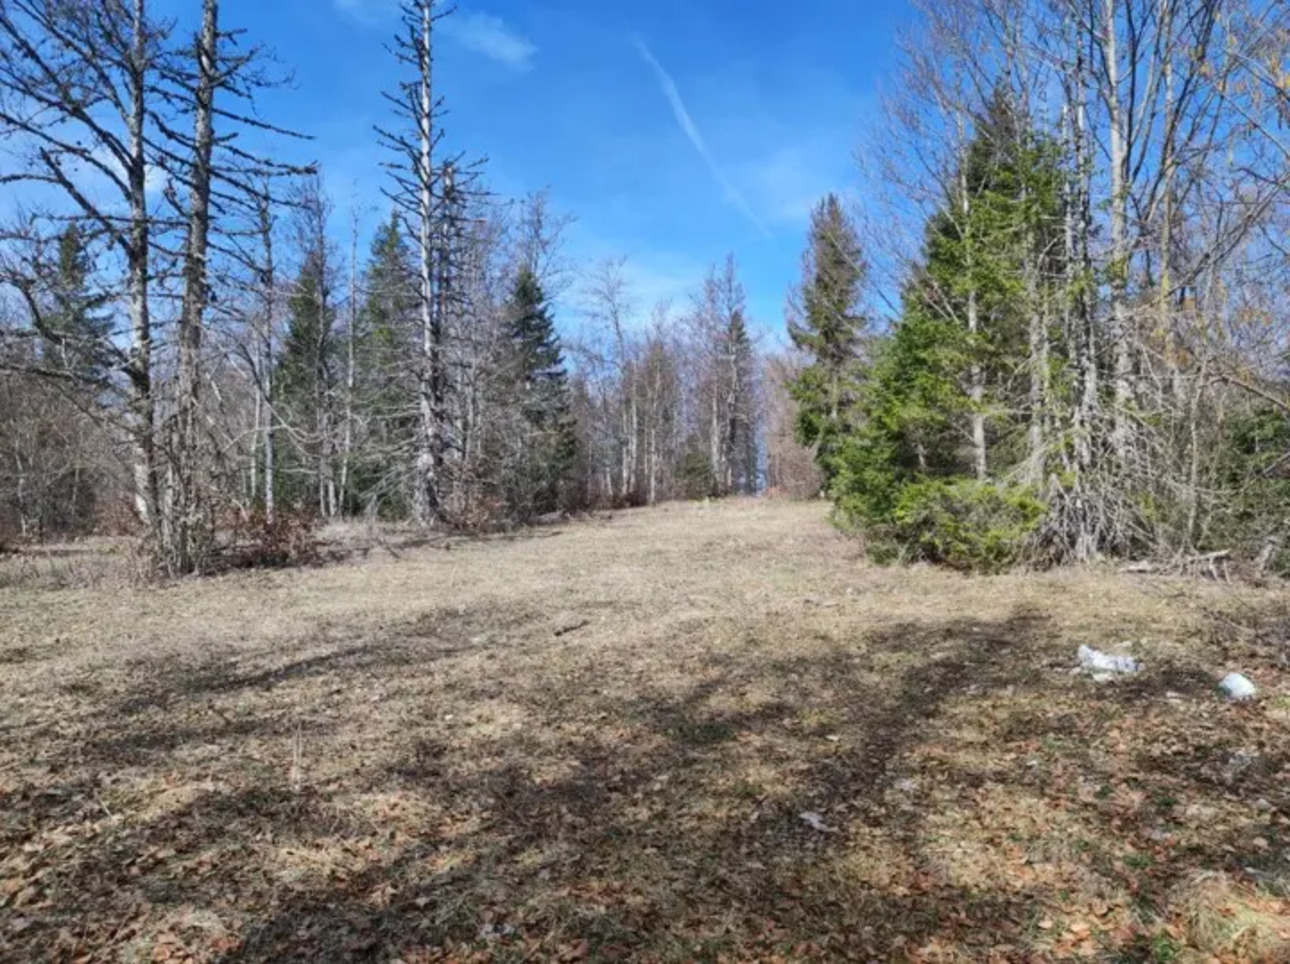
x=830, y=331
x=958, y=376
x=536, y=360
x=385, y=404
x=547, y=438
x=74, y=332
x=389, y=284
x=305, y=382
x=740, y=442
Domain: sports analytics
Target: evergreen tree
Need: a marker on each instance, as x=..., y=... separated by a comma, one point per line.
x=950, y=378
x=830, y=331
x=74, y=331
x=546, y=448
x=389, y=285
x=306, y=379
x=740, y=443
x=536, y=360
x=385, y=403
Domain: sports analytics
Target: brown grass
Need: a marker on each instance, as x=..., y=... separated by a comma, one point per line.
x=597, y=740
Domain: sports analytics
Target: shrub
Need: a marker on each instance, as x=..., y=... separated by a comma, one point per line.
x=695, y=475
x=1253, y=516
x=288, y=539
x=965, y=524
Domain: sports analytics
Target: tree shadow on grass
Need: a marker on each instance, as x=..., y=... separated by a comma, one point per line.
x=883, y=799
x=656, y=847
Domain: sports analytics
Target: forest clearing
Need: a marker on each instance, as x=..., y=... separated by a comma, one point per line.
x=689, y=732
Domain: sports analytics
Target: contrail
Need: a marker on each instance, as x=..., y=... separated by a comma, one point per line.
x=686, y=123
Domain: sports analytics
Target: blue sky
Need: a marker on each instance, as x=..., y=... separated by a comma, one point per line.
x=675, y=131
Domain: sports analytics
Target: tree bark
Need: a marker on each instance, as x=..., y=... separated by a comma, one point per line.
x=427, y=503
x=142, y=406
x=976, y=374
x=188, y=507
x=1121, y=348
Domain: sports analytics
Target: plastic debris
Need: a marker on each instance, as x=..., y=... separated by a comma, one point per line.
x=492, y=932
x=1098, y=662
x=1238, y=687
x=815, y=822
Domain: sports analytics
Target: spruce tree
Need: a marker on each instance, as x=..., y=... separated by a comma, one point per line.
x=74, y=331
x=830, y=331
x=740, y=443
x=306, y=380
x=386, y=404
x=534, y=364
x=958, y=357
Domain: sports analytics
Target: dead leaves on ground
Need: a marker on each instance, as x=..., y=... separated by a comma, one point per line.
x=608, y=795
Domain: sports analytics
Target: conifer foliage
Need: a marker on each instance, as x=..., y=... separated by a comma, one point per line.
x=544, y=443
x=828, y=327
x=1086, y=345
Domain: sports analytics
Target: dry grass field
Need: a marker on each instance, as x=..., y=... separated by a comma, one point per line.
x=598, y=741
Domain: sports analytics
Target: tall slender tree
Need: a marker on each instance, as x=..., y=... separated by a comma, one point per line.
x=828, y=326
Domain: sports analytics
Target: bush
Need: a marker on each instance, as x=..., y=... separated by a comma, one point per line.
x=1252, y=515
x=695, y=475
x=289, y=539
x=961, y=523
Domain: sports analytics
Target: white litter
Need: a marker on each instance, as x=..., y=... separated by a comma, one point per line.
x=1096, y=661
x=815, y=821
x=1237, y=687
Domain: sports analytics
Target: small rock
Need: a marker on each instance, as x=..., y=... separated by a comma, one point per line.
x=907, y=785
x=1198, y=814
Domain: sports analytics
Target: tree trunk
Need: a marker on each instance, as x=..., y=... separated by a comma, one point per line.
x=188, y=502
x=427, y=502
x=351, y=368
x=1122, y=358
x=976, y=374
x=142, y=406
x=267, y=360
x=1078, y=307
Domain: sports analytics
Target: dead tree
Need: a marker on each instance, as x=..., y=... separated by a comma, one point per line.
x=418, y=193
x=101, y=88
x=78, y=82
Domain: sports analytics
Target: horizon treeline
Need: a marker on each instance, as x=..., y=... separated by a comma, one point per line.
x=194, y=342
x=1050, y=328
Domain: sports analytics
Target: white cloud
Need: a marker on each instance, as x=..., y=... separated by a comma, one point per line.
x=695, y=136
x=368, y=11
x=476, y=31
x=155, y=178
x=490, y=36
x=788, y=182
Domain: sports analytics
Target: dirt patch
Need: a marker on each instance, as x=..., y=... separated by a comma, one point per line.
x=600, y=743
